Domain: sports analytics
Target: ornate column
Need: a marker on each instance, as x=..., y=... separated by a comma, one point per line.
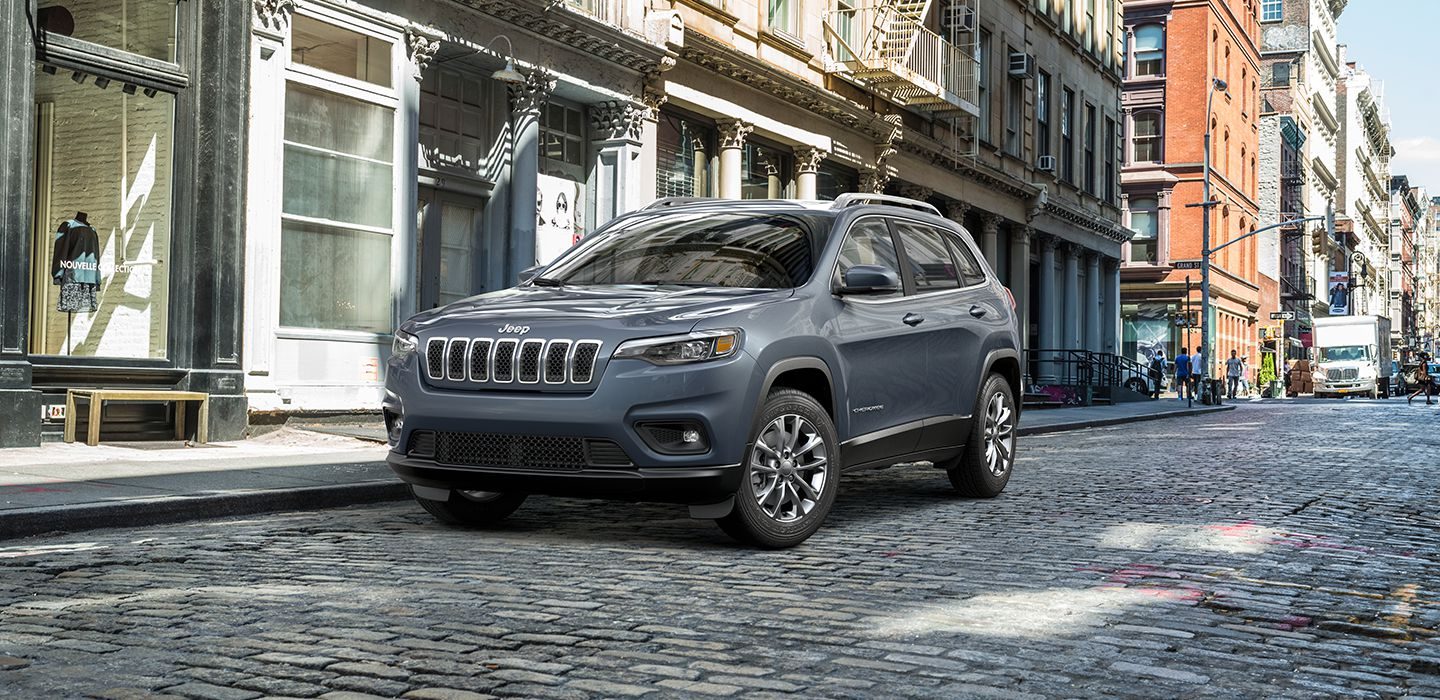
x=1020, y=237
x=732, y=141
x=647, y=165
x=807, y=168
x=421, y=44
x=956, y=211
x=1093, y=301
x=19, y=403
x=1047, y=305
x=916, y=192
x=1071, y=337
x=526, y=101
x=1111, y=331
x=616, y=130
x=990, y=237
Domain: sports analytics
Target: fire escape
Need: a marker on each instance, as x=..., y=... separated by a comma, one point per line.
x=886, y=47
x=1297, y=288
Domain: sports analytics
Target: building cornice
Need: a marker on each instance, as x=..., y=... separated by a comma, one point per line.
x=580, y=32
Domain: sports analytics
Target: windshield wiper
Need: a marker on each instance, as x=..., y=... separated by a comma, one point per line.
x=546, y=282
x=681, y=283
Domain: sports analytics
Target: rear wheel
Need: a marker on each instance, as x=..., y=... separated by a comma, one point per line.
x=472, y=508
x=983, y=469
x=792, y=471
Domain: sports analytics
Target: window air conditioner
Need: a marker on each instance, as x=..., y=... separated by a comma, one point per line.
x=1022, y=65
x=1045, y=164
x=957, y=17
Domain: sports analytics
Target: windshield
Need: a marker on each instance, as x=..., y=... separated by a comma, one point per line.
x=1343, y=353
x=707, y=249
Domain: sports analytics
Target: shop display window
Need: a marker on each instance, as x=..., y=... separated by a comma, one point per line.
x=766, y=172
x=103, y=199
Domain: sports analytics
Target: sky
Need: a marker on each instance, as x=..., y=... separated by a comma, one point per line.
x=1393, y=40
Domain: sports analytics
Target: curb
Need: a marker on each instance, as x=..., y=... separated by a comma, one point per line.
x=204, y=506
x=1120, y=420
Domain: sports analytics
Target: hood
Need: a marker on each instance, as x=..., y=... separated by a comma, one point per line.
x=662, y=309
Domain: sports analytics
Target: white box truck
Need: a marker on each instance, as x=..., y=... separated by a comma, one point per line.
x=1352, y=356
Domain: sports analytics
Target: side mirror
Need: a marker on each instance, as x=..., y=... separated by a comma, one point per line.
x=529, y=273
x=869, y=279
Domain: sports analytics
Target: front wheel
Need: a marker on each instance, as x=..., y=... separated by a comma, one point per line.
x=472, y=508
x=792, y=473
x=983, y=469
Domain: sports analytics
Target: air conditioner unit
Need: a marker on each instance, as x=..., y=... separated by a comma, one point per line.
x=958, y=18
x=1045, y=164
x=1022, y=64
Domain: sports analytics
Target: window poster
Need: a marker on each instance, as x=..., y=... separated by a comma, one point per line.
x=559, y=220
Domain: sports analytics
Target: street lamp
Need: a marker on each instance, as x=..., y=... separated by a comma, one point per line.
x=1206, y=326
x=508, y=74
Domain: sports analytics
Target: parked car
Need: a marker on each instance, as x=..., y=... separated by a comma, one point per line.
x=733, y=356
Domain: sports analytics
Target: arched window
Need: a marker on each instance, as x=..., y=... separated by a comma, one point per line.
x=1147, y=139
x=1149, y=50
x=1244, y=173
x=1145, y=219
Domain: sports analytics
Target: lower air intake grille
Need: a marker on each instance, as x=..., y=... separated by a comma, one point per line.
x=422, y=444
x=604, y=453
x=539, y=452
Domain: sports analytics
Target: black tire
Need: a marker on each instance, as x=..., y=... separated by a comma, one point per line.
x=471, y=509
x=970, y=472
x=1138, y=386
x=770, y=468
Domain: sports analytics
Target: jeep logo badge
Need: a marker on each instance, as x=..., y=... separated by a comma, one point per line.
x=508, y=328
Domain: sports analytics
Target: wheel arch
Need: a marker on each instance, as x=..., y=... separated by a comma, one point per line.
x=808, y=374
x=1006, y=363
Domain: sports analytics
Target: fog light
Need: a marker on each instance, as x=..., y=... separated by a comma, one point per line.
x=690, y=436
x=675, y=438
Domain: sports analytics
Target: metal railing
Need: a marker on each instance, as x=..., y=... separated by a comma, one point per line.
x=1086, y=370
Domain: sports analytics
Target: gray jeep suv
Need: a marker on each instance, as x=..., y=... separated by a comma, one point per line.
x=733, y=356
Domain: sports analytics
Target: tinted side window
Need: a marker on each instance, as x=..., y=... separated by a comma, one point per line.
x=868, y=243
x=971, y=272
x=930, y=264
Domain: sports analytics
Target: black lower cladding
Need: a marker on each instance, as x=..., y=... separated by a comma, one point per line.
x=512, y=451
x=694, y=485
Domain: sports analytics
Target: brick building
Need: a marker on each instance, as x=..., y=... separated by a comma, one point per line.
x=1178, y=50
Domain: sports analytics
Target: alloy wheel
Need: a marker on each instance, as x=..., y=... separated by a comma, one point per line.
x=999, y=434
x=788, y=468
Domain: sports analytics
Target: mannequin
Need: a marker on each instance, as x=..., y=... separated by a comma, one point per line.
x=75, y=265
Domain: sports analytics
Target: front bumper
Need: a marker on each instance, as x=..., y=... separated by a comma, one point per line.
x=1356, y=386
x=719, y=396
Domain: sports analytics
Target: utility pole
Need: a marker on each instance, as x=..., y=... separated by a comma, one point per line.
x=1206, y=325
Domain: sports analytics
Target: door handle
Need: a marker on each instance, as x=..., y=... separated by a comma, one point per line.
x=913, y=319
x=977, y=311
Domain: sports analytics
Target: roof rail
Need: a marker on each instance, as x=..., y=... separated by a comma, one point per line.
x=673, y=201
x=851, y=199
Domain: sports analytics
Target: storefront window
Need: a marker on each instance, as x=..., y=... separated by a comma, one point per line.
x=340, y=51
x=685, y=148
x=832, y=180
x=101, y=279
x=766, y=173
x=337, y=210
x=144, y=27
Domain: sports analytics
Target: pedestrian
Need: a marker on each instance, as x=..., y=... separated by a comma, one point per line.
x=1182, y=374
x=1157, y=373
x=1245, y=383
x=1234, y=370
x=1198, y=372
x=1424, y=380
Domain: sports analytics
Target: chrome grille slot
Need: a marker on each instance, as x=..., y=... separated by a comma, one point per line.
x=582, y=366
x=1344, y=375
x=480, y=360
x=455, y=359
x=529, y=360
x=504, y=367
x=435, y=358
x=556, y=354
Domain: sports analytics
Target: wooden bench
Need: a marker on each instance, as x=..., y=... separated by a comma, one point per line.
x=98, y=397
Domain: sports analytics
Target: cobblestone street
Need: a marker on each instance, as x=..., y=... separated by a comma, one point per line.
x=1275, y=550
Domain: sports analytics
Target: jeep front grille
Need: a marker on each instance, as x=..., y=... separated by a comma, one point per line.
x=511, y=360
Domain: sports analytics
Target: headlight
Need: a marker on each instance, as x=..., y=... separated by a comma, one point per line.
x=403, y=345
x=681, y=349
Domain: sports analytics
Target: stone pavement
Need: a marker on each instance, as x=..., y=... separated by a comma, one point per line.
x=1276, y=550
x=73, y=487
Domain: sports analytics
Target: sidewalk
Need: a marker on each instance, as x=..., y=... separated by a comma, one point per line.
x=76, y=487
